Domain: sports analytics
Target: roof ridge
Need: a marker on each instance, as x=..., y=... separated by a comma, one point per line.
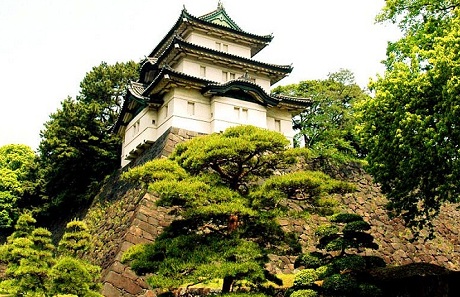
x=209, y=17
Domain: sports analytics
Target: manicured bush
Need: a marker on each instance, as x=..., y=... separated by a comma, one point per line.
x=304, y=293
x=305, y=278
x=340, y=283
x=337, y=268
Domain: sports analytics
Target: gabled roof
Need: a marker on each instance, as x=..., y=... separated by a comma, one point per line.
x=220, y=17
x=243, y=89
x=133, y=103
x=209, y=24
x=168, y=77
x=179, y=45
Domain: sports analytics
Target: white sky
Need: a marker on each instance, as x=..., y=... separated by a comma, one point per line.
x=47, y=46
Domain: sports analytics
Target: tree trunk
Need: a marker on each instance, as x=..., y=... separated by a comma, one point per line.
x=227, y=285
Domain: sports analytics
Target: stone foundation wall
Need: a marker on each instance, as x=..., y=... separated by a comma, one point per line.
x=122, y=216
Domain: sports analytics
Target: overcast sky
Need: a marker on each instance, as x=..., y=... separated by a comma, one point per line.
x=47, y=46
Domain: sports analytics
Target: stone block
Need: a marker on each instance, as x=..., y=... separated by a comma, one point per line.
x=142, y=217
x=121, y=282
x=148, y=294
x=129, y=274
x=149, y=236
x=125, y=246
x=111, y=291
x=147, y=227
x=135, y=239
x=135, y=230
x=118, y=267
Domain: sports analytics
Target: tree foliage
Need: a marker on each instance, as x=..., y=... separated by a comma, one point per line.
x=237, y=156
x=327, y=126
x=76, y=149
x=34, y=268
x=17, y=181
x=226, y=225
x=336, y=268
x=410, y=126
x=106, y=85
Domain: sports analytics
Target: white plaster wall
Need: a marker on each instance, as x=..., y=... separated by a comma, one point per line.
x=208, y=116
x=229, y=112
x=210, y=42
x=285, y=119
x=179, y=66
x=193, y=67
x=264, y=83
x=199, y=119
x=140, y=129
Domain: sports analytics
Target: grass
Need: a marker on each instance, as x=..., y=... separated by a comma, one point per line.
x=288, y=281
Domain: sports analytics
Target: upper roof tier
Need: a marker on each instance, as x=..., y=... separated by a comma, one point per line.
x=179, y=47
x=216, y=23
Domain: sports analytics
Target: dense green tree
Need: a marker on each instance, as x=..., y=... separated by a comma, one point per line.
x=226, y=223
x=327, y=126
x=336, y=268
x=29, y=255
x=237, y=155
x=70, y=274
x=17, y=184
x=106, y=85
x=75, y=240
x=76, y=149
x=411, y=125
x=34, y=268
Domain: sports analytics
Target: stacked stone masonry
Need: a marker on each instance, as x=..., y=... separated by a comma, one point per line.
x=122, y=216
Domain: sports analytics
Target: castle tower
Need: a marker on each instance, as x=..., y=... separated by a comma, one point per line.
x=202, y=77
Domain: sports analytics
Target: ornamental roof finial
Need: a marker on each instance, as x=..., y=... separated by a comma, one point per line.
x=220, y=5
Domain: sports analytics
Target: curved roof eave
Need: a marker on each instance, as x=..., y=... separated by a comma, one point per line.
x=185, y=16
x=279, y=71
x=169, y=73
x=253, y=90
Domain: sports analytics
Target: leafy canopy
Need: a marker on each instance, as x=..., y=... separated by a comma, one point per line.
x=237, y=156
x=16, y=181
x=410, y=126
x=327, y=126
x=34, y=268
x=226, y=223
x=76, y=149
x=336, y=268
x=106, y=85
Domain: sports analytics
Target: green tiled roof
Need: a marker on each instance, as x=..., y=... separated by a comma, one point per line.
x=220, y=17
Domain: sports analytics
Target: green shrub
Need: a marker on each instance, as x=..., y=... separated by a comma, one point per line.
x=324, y=271
x=244, y=294
x=340, y=283
x=304, y=293
x=341, y=270
x=305, y=278
x=326, y=230
x=159, y=169
x=369, y=290
x=356, y=226
x=349, y=262
x=374, y=261
x=311, y=260
x=74, y=276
